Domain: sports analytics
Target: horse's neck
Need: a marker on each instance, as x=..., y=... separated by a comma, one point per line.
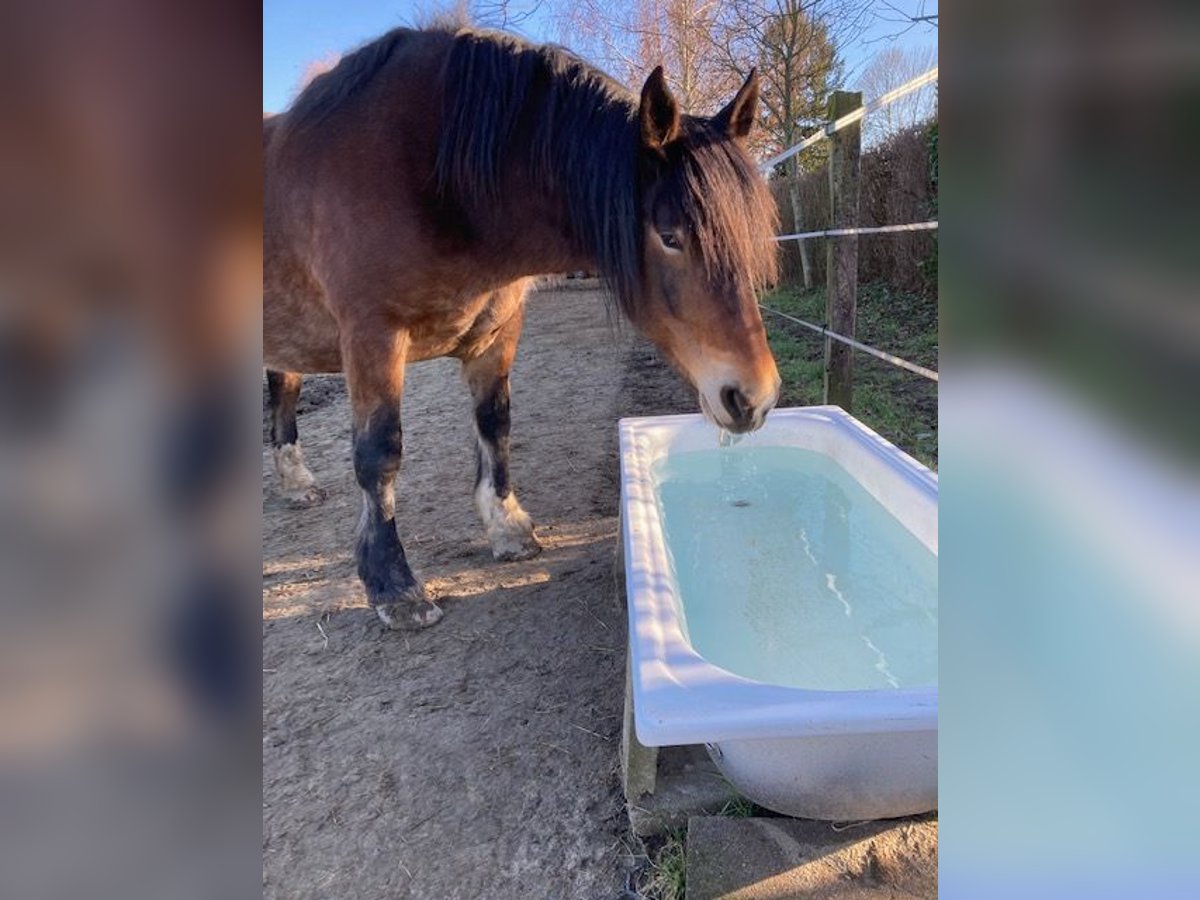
x=533, y=230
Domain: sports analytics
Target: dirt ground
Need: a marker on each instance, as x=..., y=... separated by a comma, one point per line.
x=477, y=758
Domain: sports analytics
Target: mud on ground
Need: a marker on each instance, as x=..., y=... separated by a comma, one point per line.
x=477, y=759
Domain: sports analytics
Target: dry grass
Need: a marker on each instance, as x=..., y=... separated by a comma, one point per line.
x=667, y=870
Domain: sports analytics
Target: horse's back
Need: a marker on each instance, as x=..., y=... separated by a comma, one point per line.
x=356, y=231
x=366, y=115
x=348, y=185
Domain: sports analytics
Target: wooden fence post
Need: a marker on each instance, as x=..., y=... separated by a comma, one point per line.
x=841, y=261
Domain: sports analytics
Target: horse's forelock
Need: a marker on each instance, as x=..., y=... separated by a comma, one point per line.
x=728, y=205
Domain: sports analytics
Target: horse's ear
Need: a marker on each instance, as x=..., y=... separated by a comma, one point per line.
x=737, y=118
x=659, y=113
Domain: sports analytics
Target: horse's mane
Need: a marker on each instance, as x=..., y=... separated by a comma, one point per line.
x=580, y=139
x=330, y=90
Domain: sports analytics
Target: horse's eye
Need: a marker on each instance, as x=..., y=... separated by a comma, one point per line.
x=670, y=240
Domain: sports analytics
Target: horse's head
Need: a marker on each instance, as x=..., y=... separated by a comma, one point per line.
x=708, y=223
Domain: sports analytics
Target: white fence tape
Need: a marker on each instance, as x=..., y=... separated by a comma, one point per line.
x=837, y=124
x=858, y=345
x=843, y=232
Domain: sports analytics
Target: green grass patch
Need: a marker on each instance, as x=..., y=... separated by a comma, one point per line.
x=740, y=808
x=896, y=403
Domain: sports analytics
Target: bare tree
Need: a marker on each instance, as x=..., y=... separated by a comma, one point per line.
x=630, y=37
x=902, y=16
x=679, y=34
x=441, y=14
x=606, y=33
x=509, y=15
x=793, y=44
x=889, y=69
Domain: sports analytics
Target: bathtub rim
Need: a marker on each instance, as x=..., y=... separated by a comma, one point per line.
x=682, y=698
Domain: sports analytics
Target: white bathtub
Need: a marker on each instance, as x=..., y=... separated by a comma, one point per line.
x=836, y=755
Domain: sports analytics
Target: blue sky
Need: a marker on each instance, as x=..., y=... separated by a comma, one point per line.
x=299, y=32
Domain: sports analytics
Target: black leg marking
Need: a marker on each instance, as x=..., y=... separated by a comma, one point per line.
x=283, y=392
x=392, y=589
x=509, y=528
x=494, y=424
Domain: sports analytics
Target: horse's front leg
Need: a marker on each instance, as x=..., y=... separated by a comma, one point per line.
x=509, y=528
x=374, y=366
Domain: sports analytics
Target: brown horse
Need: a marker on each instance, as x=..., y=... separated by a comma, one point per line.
x=412, y=191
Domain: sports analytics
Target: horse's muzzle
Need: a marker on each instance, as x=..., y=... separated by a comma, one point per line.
x=738, y=407
x=735, y=412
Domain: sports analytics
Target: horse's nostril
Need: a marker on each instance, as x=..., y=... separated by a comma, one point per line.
x=736, y=404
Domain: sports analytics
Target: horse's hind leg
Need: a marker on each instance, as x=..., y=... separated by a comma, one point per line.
x=296, y=482
x=374, y=366
x=509, y=528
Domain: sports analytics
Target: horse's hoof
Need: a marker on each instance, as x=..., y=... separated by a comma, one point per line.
x=296, y=482
x=514, y=548
x=509, y=528
x=302, y=498
x=409, y=615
